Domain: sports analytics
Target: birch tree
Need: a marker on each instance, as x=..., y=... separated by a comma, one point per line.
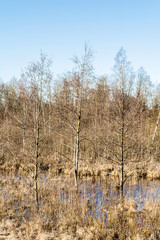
x=156, y=106
x=72, y=102
x=124, y=116
x=38, y=78
x=84, y=69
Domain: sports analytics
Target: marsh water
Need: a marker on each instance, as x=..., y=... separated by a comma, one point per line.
x=98, y=193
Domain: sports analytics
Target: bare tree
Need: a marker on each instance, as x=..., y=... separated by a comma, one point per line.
x=36, y=115
x=84, y=71
x=125, y=116
x=72, y=98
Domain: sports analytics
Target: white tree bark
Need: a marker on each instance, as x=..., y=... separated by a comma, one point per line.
x=155, y=131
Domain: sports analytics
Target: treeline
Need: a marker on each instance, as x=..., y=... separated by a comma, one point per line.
x=79, y=118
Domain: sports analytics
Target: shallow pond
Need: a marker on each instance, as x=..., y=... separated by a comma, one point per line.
x=100, y=194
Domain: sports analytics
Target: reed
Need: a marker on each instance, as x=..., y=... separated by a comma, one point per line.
x=68, y=213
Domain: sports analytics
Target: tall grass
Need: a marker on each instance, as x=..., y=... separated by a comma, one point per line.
x=92, y=212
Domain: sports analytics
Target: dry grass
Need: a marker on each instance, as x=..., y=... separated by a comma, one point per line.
x=67, y=214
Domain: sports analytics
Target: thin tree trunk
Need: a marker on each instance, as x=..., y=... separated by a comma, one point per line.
x=24, y=127
x=155, y=131
x=49, y=110
x=77, y=149
x=24, y=137
x=122, y=160
x=36, y=167
x=122, y=146
x=7, y=121
x=37, y=151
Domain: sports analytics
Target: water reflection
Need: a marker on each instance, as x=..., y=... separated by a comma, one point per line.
x=99, y=194
x=102, y=194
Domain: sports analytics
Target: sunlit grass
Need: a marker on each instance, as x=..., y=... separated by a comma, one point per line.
x=95, y=211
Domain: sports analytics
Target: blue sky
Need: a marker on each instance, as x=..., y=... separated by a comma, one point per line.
x=61, y=27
